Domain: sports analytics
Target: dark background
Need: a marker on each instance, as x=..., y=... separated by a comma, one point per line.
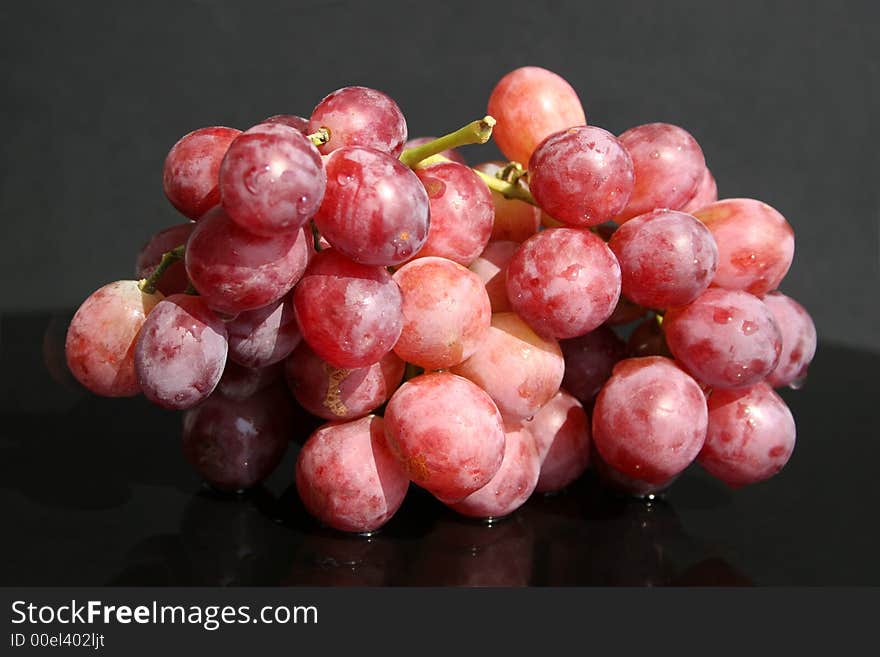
x=782, y=96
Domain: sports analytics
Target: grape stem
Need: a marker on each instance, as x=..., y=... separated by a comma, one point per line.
x=475, y=132
x=509, y=190
x=321, y=137
x=148, y=285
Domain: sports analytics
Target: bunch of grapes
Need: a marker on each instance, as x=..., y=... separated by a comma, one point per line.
x=458, y=328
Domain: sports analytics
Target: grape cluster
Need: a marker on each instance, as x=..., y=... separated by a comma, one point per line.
x=459, y=328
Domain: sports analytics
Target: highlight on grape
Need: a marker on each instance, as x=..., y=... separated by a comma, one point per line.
x=486, y=333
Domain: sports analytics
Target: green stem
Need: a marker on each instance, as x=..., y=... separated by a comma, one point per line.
x=148, y=285
x=321, y=137
x=475, y=132
x=506, y=189
x=316, y=236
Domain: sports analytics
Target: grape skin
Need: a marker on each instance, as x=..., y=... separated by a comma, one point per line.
x=375, y=209
x=751, y=435
x=520, y=370
x=192, y=167
x=613, y=479
x=491, y=267
x=461, y=212
x=589, y=360
x=725, y=338
x=529, y=104
x=298, y=123
x=360, y=116
x=650, y=419
x=446, y=313
x=101, y=338
x=267, y=335
x=668, y=164
x=581, y=176
x=235, y=270
x=561, y=430
x=239, y=382
x=667, y=258
x=564, y=282
x=755, y=244
x=341, y=394
x=798, y=339
x=234, y=444
x=514, y=482
x=173, y=280
x=181, y=352
x=347, y=478
x=447, y=433
x=272, y=179
x=515, y=220
x=350, y=314
x=707, y=193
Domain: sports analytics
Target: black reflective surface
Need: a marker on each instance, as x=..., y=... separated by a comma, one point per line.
x=95, y=491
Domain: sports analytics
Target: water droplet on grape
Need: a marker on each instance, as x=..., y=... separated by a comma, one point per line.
x=748, y=327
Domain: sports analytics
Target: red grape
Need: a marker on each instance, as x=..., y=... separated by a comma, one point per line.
x=515, y=220
x=347, y=477
x=589, y=360
x=582, y=176
x=235, y=270
x=298, y=123
x=798, y=340
x=236, y=443
x=447, y=433
x=239, y=382
x=751, y=435
x=446, y=313
x=529, y=104
x=649, y=421
x=512, y=484
x=668, y=165
x=725, y=338
x=648, y=339
x=461, y=212
x=563, y=281
x=755, y=244
x=520, y=370
x=101, y=338
x=491, y=267
x=181, y=352
x=341, y=394
x=375, y=209
x=667, y=258
x=449, y=154
x=707, y=192
x=173, y=280
x=264, y=336
x=359, y=116
x=561, y=430
x=192, y=168
x=350, y=314
x=611, y=478
x=272, y=179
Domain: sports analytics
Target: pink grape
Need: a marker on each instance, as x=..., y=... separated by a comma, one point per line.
x=798, y=340
x=446, y=313
x=613, y=479
x=101, y=338
x=447, y=433
x=173, y=280
x=347, y=477
x=561, y=430
x=751, y=435
x=341, y=394
x=755, y=244
x=239, y=382
x=461, y=212
x=264, y=336
x=563, y=282
x=236, y=443
x=648, y=339
x=520, y=370
x=298, y=123
x=181, y=352
x=192, y=168
x=359, y=116
x=531, y=103
x=375, y=209
x=589, y=360
x=668, y=164
x=515, y=220
x=272, y=179
x=449, y=154
x=582, y=176
x=350, y=314
x=649, y=421
x=491, y=267
x=514, y=482
x=235, y=270
x=707, y=193
x=667, y=258
x=725, y=338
